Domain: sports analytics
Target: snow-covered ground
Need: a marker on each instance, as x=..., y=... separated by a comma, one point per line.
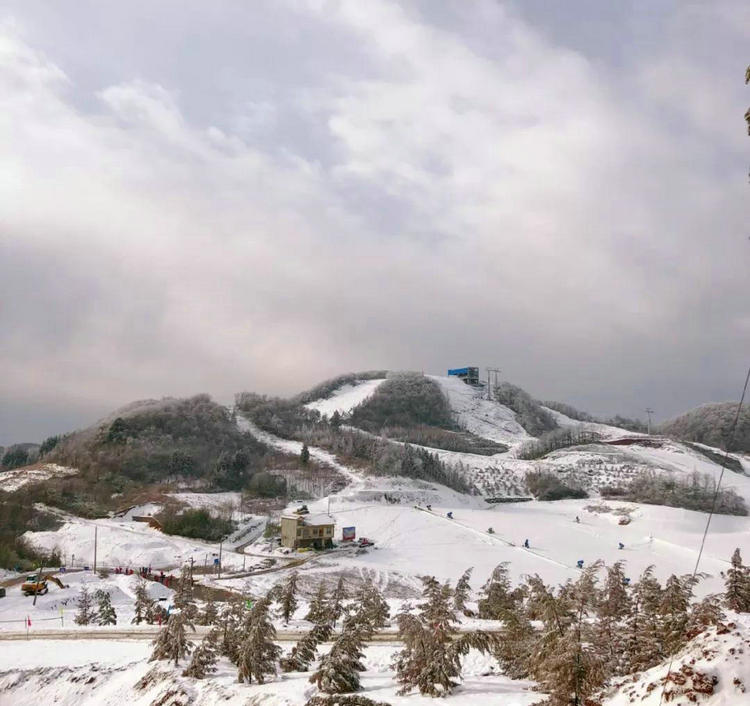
x=712, y=670
x=110, y=676
x=56, y=608
x=125, y=543
x=345, y=398
x=18, y=477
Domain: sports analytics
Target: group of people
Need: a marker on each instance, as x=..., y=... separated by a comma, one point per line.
x=127, y=571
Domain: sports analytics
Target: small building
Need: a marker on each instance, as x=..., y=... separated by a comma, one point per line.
x=470, y=375
x=306, y=531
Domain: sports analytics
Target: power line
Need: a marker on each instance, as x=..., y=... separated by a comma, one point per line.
x=729, y=442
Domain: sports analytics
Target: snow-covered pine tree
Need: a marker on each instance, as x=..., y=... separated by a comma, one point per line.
x=642, y=629
x=304, y=652
x=210, y=613
x=257, y=653
x=144, y=606
x=286, y=595
x=556, y=614
x=319, y=611
x=703, y=614
x=462, y=592
x=737, y=585
x=498, y=596
x=172, y=642
x=203, y=661
x=573, y=670
x=231, y=621
x=105, y=614
x=338, y=671
x=430, y=659
x=338, y=597
x=611, y=611
x=184, y=596
x=675, y=602
x=513, y=647
x=85, y=613
x=372, y=607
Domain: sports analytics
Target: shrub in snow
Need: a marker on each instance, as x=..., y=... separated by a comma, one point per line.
x=343, y=700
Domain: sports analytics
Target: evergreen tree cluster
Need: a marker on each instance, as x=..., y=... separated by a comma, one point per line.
x=571, y=639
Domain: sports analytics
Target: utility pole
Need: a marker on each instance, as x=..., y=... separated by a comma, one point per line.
x=191, y=570
x=496, y=372
x=220, y=546
x=96, y=530
x=649, y=411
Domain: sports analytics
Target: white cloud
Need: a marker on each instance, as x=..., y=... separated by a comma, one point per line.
x=445, y=203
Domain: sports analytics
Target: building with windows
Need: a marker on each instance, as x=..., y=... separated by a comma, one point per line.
x=299, y=530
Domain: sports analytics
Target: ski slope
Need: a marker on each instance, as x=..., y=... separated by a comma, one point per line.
x=345, y=398
x=479, y=415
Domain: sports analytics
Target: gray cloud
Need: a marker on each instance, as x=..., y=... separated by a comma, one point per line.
x=258, y=196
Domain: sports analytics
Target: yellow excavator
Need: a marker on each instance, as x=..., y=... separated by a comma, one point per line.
x=37, y=584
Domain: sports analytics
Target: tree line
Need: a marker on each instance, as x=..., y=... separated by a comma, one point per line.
x=571, y=639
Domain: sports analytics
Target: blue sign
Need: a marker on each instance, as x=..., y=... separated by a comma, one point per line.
x=216, y=562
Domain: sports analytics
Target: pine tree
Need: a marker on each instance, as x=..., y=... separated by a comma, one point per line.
x=737, y=585
x=304, y=652
x=172, y=643
x=85, y=614
x=642, y=639
x=231, y=622
x=704, y=614
x=336, y=419
x=498, y=597
x=612, y=610
x=556, y=614
x=105, y=614
x=287, y=597
x=338, y=671
x=257, y=653
x=462, y=592
x=673, y=609
x=210, y=614
x=430, y=659
x=205, y=656
x=319, y=611
x=573, y=670
x=144, y=606
x=514, y=644
x=337, y=600
x=304, y=455
x=184, y=597
x=372, y=607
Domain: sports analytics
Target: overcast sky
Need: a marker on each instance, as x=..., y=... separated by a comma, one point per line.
x=230, y=195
